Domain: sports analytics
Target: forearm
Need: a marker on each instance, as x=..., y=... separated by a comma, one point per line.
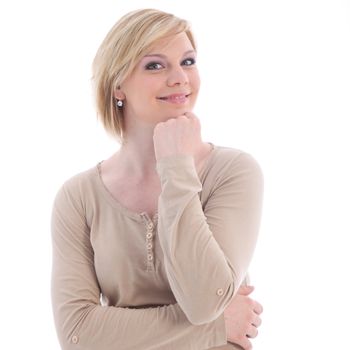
x=208, y=250
x=94, y=327
x=200, y=276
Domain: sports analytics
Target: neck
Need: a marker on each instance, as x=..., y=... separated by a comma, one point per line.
x=136, y=157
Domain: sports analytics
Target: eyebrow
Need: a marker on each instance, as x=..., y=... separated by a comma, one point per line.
x=163, y=56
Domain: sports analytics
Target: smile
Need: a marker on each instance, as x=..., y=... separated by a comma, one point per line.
x=175, y=98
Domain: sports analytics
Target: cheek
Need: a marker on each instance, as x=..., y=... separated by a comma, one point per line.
x=143, y=93
x=196, y=81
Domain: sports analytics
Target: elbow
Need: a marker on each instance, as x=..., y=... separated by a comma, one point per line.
x=66, y=337
x=68, y=322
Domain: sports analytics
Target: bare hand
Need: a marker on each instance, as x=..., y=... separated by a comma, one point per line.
x=177, y=136
x=242, y=318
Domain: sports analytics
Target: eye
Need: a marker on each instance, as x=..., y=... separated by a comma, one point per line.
x=153, y=66
x=189, y=61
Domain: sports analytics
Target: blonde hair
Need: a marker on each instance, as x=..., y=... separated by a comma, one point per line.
x=120, y=51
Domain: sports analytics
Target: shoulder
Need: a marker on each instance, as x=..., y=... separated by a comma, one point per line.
x=234, y=175
x=76, y=186
x=234, y=161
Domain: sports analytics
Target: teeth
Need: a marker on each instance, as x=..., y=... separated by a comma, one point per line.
x=173, y=97
x=177, y=97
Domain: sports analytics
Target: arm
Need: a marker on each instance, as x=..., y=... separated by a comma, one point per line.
x=207, y=254
x=82, y=323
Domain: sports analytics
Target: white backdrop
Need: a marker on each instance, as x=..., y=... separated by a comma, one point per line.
x=275, y=83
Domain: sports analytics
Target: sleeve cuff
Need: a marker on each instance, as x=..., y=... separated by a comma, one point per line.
x=180, y=160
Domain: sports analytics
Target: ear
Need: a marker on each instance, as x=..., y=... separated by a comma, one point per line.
x=119, y=94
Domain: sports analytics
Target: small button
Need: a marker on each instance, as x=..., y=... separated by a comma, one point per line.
x=150, y=225
x=149, y=257
x=75, y=339
x=220, y=292
x=149, y=235
x=149, y=246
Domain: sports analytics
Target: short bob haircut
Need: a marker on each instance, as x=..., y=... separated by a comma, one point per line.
x=125, y=44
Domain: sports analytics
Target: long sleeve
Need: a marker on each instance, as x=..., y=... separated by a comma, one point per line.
x=207, y=251
x=82, y=323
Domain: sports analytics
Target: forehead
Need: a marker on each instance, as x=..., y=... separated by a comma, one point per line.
x=173, y=43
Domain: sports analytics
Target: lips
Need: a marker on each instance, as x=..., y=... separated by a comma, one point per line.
x=175, y=98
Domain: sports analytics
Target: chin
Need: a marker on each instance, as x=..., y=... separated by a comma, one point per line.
x=180, y=110
x=178, y=114
x=169, y=113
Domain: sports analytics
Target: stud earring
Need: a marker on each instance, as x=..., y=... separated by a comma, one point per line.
x=119, y=103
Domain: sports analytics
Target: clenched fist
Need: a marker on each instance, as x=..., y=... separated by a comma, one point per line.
x=178, y=136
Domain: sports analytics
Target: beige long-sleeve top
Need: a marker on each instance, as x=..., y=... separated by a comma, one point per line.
x=123, y=281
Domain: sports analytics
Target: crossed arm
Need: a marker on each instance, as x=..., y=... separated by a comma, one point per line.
x=206, y=254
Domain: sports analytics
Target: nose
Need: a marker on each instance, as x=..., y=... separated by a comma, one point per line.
x=177, y=76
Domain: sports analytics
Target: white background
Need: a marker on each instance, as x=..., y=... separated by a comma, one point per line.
x=275, y=83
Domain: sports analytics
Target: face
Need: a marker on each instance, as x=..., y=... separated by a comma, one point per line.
x=164, y=84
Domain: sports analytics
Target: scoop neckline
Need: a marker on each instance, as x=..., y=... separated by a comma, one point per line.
x=139, y=216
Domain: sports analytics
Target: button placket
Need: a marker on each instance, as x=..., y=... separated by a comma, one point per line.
x=149, y=243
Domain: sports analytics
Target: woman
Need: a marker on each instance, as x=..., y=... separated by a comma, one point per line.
x=151, y=247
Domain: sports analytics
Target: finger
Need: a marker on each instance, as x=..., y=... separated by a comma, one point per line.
x=245, y=290
x=182, y=116
x=190, y=115
x=258, y=308
x=252, y=332
x=245, y=343
x=257, y=321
